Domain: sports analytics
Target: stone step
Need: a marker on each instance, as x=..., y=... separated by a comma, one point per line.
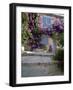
x=38, y=59
x=27, y=53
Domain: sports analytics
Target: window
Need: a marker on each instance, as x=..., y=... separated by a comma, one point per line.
x=46, y=22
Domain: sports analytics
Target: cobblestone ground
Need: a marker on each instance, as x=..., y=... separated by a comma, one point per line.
x=39, y=66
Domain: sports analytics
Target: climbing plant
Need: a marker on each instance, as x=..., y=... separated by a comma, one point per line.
x=25, y=34
x=31, y=35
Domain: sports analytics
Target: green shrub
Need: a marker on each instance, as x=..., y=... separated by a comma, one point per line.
x=59, y=56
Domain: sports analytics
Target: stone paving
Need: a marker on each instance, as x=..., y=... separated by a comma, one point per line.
x=39, y=66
